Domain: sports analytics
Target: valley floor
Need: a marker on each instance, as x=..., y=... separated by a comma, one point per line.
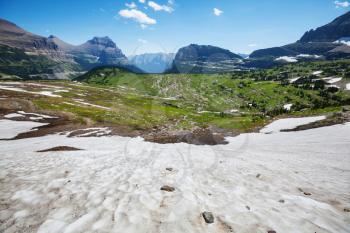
x=270, y=181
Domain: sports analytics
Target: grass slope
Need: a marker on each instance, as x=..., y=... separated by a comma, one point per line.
x=203, y=99
x=237, y=102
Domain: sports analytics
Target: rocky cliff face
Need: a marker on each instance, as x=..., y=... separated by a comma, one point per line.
x=195, y=52
x=204, y=59
x=338, y=28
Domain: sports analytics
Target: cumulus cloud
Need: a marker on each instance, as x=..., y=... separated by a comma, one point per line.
x=217, y=11
x=253, y=45
x=142, y=1
x=140, y=17
x=339, y=4
x=155, y=6
x=131, y=5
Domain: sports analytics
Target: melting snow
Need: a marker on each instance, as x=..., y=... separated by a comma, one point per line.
x=309, y=56
x=333, y=80
x=317, y=72
x=343, y=40
x=37, y=114
x=348, y=86
x=113, y=185
x=13, y=115
x=10, y=129
x=18, y=89
x=48, y=93
x=287, y=106
x=293, y=80
x=91, y=105
x=287, y=59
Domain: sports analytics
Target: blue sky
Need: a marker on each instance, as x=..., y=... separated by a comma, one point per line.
x=165, y=26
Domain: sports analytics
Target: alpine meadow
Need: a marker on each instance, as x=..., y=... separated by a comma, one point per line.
x=175, y=116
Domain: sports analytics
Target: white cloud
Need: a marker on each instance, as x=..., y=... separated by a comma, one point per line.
x=131, y=5
x=142, y=41
x=142, y=1
x=217, y=11
x=341, y=4
x=138, y=16
x=252, y=45
x=158, y=7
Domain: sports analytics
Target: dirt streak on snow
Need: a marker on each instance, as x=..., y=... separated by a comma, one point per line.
x=289, y=123
x=253, y=184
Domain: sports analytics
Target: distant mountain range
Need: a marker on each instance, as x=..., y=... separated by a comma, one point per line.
x=59, y=59
x=27, y=55
x=152, y=62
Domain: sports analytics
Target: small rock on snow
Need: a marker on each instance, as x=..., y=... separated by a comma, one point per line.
x=167, y=188
x=208, y=217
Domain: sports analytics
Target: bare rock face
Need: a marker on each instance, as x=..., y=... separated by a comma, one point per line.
x=208, y=217
x=103, y=48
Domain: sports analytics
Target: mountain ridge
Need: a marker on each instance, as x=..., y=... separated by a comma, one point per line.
x=338, y=28
x=322, y=43
x=98, y=51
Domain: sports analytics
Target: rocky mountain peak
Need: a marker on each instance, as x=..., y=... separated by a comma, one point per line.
x=103, y=41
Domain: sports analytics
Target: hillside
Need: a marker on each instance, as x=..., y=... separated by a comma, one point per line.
x=234, y=102
x=16, y=64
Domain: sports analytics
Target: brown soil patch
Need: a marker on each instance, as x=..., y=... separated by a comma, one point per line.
x=197, y=137
x=60, y=148
x=16, y=104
